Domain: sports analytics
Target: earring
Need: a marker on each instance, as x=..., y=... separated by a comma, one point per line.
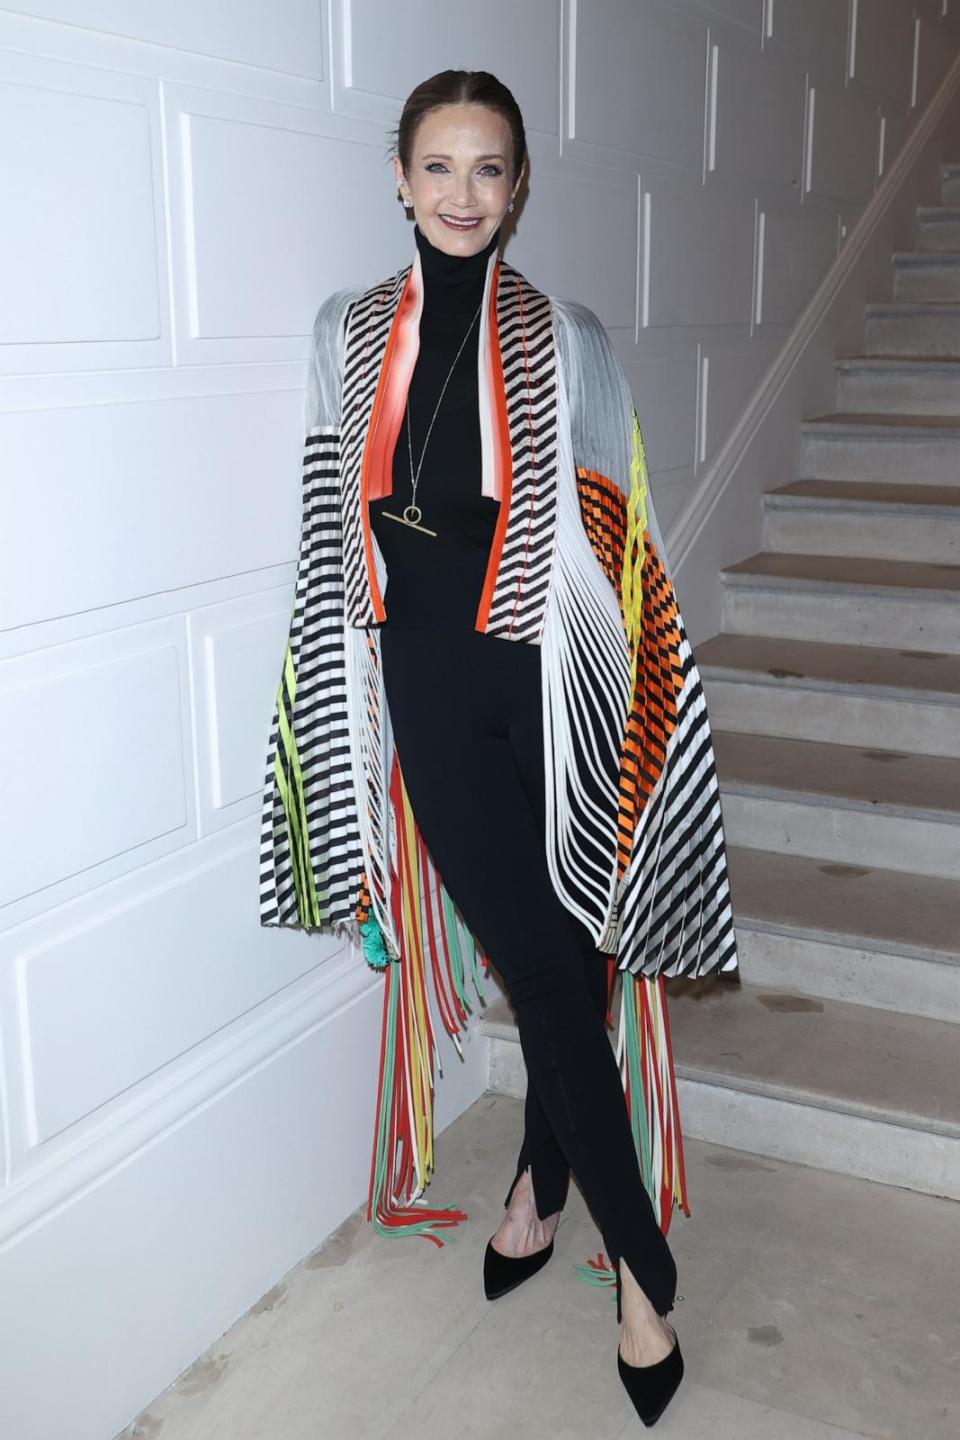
x=510, y=206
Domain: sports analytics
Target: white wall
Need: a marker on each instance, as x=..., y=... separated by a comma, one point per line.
x=188, y=1100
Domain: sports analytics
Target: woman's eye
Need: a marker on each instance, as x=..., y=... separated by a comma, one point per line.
x=493, y=170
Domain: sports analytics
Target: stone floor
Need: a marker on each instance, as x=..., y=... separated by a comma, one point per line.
x=815, y=1307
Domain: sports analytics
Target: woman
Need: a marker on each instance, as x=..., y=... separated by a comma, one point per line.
x=474, y=476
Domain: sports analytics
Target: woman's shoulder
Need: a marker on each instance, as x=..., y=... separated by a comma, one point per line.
x=333, y=309
x=575, y=319
x=582, y=338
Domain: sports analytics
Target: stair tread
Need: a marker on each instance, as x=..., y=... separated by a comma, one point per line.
x=845, y=572
x=814, y=663
x=909, y=257
x=851, y=905
x=883, y=420
x=906, y=307
x=883, y=781
x=895, y=1068
x=874, y=492
x=894, y=361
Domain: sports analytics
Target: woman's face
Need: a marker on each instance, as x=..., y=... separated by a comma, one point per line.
x=459, y=170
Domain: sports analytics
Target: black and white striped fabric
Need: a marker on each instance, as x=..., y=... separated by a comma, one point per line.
x=311, y=857
x=327, y=818
x=529, y=360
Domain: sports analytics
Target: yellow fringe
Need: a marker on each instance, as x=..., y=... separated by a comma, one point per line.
x=631, y=589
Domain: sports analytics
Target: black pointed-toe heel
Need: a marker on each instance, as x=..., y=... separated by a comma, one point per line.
x=505, y=1272
x=650, y=1387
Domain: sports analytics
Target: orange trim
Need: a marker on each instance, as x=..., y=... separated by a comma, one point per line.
x=502, y=455
x=375, y=451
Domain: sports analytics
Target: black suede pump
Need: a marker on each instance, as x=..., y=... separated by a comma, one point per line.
x=505, y=1272
x=650, y=1387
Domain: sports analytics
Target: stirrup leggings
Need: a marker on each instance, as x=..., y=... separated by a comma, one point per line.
x=467, y=721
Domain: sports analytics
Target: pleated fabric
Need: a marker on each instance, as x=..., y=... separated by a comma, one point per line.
x=635, y=842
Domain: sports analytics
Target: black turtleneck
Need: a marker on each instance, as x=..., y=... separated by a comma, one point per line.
x=437, y=580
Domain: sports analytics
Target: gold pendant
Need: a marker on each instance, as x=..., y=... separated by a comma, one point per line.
x=410, y=517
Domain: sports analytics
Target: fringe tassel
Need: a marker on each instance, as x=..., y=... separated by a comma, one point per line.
x=634, y=549
x=403, y=1157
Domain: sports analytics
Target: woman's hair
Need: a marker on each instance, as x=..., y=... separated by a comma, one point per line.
x=460, y=87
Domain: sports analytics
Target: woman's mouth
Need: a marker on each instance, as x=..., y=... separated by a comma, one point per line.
x=456, y=223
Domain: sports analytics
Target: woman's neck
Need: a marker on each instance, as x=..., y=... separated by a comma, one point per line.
x=452, y=282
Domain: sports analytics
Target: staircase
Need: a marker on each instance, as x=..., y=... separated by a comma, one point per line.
x=833, y=692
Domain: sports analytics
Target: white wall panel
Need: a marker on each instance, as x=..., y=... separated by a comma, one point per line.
x=385, y=49
x=82, y=252
x=759, y=118
x=895, y=132
x=263, y=233
x=883, y=47
x=746, y=13
x=798, y=246
x=846, y=130
x=636, y=84
x=284, y=35
x=733, y=370
x=182, y=491
x=816, y=31
x=555, y=244
x=159, y=969
x=104, y=755
x=664, y=387
x=934, y=57
x=683, y=290
x=237, y=655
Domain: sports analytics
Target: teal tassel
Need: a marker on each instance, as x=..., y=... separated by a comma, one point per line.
x=374, y=948
x=596, y=1273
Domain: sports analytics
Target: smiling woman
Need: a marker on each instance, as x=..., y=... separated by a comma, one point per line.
x=490, y=731
x=460, y=169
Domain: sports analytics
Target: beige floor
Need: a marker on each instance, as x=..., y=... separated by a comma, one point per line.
x=815, y=1307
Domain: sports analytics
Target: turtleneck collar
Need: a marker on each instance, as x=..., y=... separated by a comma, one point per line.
x=452, y=278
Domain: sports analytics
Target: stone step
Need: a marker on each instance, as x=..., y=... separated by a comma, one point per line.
x=937, y=227
x=887, y=808
x=823, y=1082
x=904, y=384
x=858, y=445
x=845, y=600
x=870, y=519
x=950, y=184
x=849, y=694
x=866, y=518
x=911, y=327
x=926, y=275
x=848, y=932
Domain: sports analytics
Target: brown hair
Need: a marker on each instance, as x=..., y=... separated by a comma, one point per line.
x=460, y=87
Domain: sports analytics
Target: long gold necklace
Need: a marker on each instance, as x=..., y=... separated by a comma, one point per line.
x=412, y=514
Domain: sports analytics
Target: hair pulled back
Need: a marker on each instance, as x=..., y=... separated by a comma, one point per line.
x=460, y=87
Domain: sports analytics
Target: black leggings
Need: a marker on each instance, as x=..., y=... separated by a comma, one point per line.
x=467, y=722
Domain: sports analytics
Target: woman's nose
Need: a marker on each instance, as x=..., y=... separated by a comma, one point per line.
x=463, y=190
